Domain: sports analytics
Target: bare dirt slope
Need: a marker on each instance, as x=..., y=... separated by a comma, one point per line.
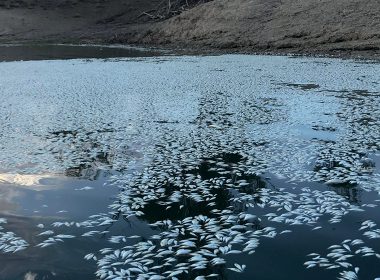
x=323, y=25
x=251, y=25
x=68, y=20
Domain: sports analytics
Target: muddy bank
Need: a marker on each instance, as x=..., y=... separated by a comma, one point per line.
x=348, y=27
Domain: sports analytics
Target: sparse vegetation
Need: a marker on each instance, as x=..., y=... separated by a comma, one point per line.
x=170, y=8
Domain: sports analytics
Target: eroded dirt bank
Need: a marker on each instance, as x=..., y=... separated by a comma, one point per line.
x=308, y=26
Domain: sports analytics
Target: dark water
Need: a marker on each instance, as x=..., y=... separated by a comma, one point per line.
x=27, y=208
x=155, y=161
x=49, y=52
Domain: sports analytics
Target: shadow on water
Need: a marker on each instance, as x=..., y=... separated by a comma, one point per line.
x=52, y=52
x=349, y=191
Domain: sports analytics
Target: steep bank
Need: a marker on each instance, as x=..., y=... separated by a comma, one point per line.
x=294, y=25
x=304, y=26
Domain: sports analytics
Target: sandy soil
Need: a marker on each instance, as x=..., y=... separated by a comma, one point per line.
x=284, y=26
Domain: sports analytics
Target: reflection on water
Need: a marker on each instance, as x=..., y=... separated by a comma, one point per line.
x=157, y=169
x=48, y=52
x=29, y=181
x=351, y=192
x=30, y=204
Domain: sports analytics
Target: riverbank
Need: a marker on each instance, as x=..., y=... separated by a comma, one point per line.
x=329, y=28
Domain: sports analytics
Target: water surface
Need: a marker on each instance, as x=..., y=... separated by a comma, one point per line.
x=223, y=167
x=54, y=51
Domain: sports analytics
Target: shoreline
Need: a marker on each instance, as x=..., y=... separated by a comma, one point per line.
x=341, y=29
x=174, y=50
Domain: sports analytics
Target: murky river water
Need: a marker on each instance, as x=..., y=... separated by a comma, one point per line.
x=215, y=167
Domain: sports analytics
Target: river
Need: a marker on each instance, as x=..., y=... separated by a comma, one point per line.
x=188, y=167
